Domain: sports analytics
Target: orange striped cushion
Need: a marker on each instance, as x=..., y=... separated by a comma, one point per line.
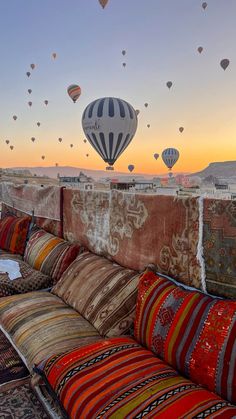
x=192, y=331
x=13, y=233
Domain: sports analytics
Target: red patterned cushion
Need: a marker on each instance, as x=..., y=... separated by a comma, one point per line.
x=117, y=378
x=50, y=254
x=193, y=332
x=13, y=233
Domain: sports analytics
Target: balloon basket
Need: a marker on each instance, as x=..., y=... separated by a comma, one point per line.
x=109, y=168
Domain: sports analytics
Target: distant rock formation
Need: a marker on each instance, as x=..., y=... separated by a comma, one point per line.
x=224, y=170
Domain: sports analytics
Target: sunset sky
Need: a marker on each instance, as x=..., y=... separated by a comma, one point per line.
x=160, y=37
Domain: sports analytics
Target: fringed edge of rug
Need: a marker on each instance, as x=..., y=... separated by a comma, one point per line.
x=200, y=250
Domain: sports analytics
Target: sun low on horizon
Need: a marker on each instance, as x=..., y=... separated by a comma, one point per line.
x=173, y=61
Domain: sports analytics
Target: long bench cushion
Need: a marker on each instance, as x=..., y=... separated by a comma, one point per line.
x=40, y=324
x=30, y=279
x=103, y=292
x=10, y=255
x=13, y=233
x=49, y=254
x=117, y=378
x=193, y=332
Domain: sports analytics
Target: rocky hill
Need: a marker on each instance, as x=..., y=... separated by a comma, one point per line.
x=226, y=169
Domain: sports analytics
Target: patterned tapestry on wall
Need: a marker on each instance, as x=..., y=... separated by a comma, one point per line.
x=220, y=246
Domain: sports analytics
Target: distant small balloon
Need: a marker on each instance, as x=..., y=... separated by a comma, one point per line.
x=7, y=141
x=43, y=157
x=74, y=91
x=11, y=147
x=32, y=66
x=137, y=112
x=148, y=125
x=87, y=155
x=54, y=55
x=38, y=124
x=30, y=103
x=14, y=117
x=56, y=164
x=123, y=52
x=33, y=139
x=29, y=91
x=85, y=141
x=124, y=64
x=156, y=155
x=60, y=140
x=169, y=84
x=131, y=167
x=146, y=105
x=204, y=5
x=200, y=49
x=46, y=102
x=71, y=145
x=181, y=129
x=224, y=63
x=103, y=3
x=28, y=74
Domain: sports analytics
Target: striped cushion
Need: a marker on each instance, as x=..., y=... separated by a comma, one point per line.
x=193, y=332
x=50, y=254
x=40, y=324
x=13, y=233
x=117, y=378
x=103, y=292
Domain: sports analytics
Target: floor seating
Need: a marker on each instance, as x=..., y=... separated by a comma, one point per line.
x=106, y=342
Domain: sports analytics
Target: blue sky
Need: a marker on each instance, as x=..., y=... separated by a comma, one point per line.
x=161, y=38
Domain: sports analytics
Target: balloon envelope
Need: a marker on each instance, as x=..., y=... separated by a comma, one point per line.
x=38, y=123
x=32, y=66
x=170, y=156
x=204, y=5
x=224, y=63
x=7, y=141
x=109, y=125
x=103, y=3
x=74, y=91
x=46, y=102
x=54, y=55
x=30, y=103
x=14, y=117
x=28, y=74
x=156, y=155
x=60, y=140
x=43, y=157
x=146, y=105
x=131, y=167
x=33, y=139
x=11, y=147
x=181, y=129
x=29, y=91
x=123, y=52
x=169, y=84
x=137, y=112
x=200, y=49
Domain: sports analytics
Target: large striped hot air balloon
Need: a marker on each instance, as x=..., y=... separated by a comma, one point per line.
x=74, y=91
x=170, y=156
x=109, y=125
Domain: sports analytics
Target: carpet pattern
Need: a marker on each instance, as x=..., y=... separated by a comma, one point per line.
x=20, y=403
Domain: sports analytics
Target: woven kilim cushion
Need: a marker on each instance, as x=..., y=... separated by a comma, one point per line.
x=13, y=233
x=103, y=292
x=49, y=254
x=117, y=378
x=41, y=324
x=193, y=332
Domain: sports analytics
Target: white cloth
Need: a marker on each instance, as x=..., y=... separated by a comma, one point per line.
x=11, y=267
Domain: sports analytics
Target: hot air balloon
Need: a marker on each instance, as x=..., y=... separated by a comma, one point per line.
x=123, y=52
x=181, y=129
x=38, y=124
x=124, y=64
x=85, y=141
x=29, y=91
x=43, y=157
x=148, y=125
x=169, y=84
x=224, y=63
x=33, y=139
x=146, y=105
x=204, y=5
x=74, y=91
x=54, y=55
x=131, y=167
x=87, y=155
x=200, y=49
x=46, y=102
x=14, y=117
x=32, y=66
x=170, y=156
x=56, y=164
x=109, y=125
x=60, y=140
x=30, y=103
x=156, y=155
x=28, y=74
x=103, y=3
x=71, y=145
x=11, y=147
x=137, y=112
x=7, y=141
